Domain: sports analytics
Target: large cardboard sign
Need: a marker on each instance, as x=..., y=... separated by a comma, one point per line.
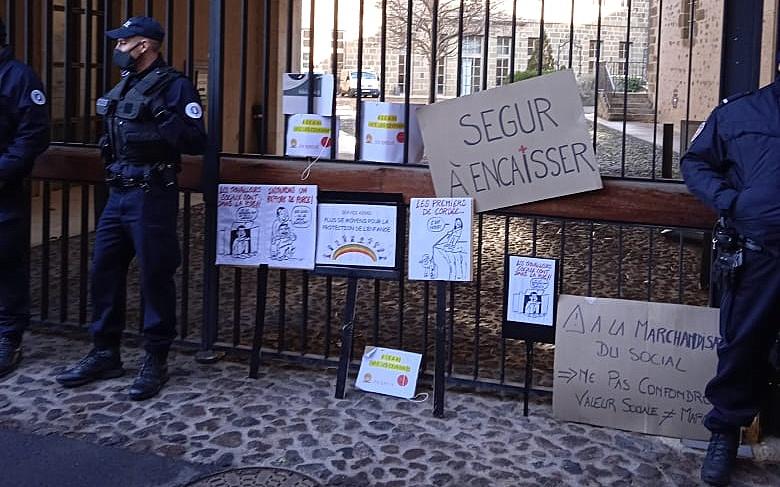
x=309, y=136
x=267, y=224
x=634, y=365
x=388, y=371
x=440, y=239
x=518, y=143
x=295, y=93
x=384, y=132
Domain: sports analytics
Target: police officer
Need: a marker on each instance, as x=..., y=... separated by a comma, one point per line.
x=733, y=165
x=24, y=134
x=151, y=116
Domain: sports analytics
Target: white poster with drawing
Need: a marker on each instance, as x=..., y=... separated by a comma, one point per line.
x=384, y=131
x=440, y=239
x=361, y=235
x=264, y=224
x=287, y=219
x=238, y=225
x=309, y=136
x=531, y=290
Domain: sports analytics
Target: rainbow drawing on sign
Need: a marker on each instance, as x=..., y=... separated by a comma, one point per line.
x=354, y=248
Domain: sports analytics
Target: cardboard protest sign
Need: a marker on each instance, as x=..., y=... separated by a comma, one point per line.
x=634, y=365
x=388, y=371
x=262, y=224
x=514, y=144
x=384, y=130
x=309, y=136
x=440, y=239
x=295, y=93
x=361, y=235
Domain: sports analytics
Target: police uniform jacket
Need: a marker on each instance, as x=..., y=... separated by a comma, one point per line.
x=733, y=163
x=151, y=117
x=24, y=130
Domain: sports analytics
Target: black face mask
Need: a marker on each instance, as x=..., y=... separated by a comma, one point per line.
x=123, y=60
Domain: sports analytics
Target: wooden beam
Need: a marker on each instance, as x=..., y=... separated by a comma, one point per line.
x=633, y=202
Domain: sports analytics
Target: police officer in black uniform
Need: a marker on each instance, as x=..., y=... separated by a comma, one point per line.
x=733, y=165
x=152, y=116
x=24, y=134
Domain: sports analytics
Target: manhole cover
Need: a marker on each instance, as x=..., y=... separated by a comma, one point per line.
x=256, y=477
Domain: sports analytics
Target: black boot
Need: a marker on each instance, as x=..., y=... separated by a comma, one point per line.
x=151, y=377
x=98, y=364
x=720, y=459
x=10, y=355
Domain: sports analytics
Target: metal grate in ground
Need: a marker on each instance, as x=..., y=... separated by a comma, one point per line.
x=256, y=477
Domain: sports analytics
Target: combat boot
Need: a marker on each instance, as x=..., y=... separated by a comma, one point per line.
x=151, y=377
x=10, y=355
x=720, y=459
x=100, y=363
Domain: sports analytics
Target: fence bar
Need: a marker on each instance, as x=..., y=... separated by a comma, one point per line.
x=185, y=259
x=282, y=309
x=236, y=306
x=478, y=297
x=304, y=311
x=625, y=92
x=45, y=248
x=408, y=61
x=64, y=251
x=596, y=81
x=459, y=80
x=383, y=53
x=359, y=93
x=210, y=180
x=486, y=48
x=691, y=22
x=242, y=77
x=657, y=89
x=84, y=254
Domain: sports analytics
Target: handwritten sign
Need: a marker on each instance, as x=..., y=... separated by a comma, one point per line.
x=361, y=235
x=265, y=224
x=514, y=144
x=634, y=365
x=440, y=239
x=388, y=371
x=384, y=132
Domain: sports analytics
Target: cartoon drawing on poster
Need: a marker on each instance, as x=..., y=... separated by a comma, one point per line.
x=361, y=235
x=287, y=219
x=531, y=287
x=440, y=242
x=262, y=224
x=282, y=238
x=239, y=238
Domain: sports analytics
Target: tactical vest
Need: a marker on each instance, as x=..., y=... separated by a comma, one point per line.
x=130, y=123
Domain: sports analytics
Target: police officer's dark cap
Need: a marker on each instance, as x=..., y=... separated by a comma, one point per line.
x=138, y=26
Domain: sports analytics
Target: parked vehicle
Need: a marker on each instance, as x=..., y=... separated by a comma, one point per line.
x=369, y=85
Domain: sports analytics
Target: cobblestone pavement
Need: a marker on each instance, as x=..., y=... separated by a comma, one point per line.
x=289, y=418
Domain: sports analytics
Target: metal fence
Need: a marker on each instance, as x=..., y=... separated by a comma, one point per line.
x=237, y=55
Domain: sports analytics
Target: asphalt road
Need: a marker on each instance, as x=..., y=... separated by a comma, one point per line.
x=27, y=460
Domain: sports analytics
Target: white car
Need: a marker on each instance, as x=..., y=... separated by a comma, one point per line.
x=369, y=85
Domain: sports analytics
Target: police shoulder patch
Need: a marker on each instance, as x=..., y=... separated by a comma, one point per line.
x=193, y=110
x=38, y=97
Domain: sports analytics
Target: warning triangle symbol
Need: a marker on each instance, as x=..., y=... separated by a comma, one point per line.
x=574, y=322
